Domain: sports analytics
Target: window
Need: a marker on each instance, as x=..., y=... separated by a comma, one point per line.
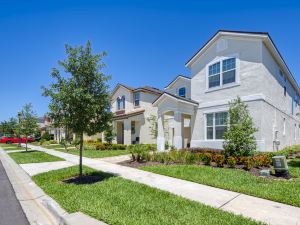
x=214, y=75
x=218, y=77
x=123, y=101
x=216, y=125
x=136, y=97
x=295, y=132
x=229, y=71
x=284, y=90
x=181, y=92
x=119, y=103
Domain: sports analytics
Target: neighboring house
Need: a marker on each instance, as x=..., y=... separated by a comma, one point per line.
x=231, y=64
x=132, y=108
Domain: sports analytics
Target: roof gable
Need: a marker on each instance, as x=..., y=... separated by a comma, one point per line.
x=266, y=39
x=176, y=79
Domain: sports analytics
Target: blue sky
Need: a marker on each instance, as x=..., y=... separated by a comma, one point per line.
x=147, y=42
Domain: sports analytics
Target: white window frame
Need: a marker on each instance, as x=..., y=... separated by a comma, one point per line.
x=237, y=72
x=134, y=94
x=214, y=124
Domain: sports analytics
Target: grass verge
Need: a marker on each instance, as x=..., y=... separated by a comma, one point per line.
x=33, y=157
x=118, y=201
x=285, y=191
x=95, y=153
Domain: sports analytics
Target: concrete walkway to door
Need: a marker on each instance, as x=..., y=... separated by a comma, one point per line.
x=256, y=208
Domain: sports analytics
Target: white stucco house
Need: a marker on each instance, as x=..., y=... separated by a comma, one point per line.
x=191, y=111
x=132, y=107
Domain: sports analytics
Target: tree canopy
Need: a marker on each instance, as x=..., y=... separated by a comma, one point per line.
x=78, y=98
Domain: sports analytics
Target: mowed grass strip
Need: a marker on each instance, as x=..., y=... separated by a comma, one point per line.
x=285, y=191
x=33, y=157
x=118, y=201
x=95, y=153
x=9, y=147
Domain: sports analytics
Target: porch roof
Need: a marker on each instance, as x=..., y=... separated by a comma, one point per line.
x=175, y=97
x=129, y=114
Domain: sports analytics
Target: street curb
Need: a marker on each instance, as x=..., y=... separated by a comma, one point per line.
x=39, y=208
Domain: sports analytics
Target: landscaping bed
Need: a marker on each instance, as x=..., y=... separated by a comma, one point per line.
x=118, y=201
x=213, y=168
x=33, y=157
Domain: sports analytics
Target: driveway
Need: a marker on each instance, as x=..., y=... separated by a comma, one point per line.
x=10, y=209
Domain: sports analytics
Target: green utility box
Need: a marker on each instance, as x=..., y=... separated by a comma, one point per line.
x=280, y=165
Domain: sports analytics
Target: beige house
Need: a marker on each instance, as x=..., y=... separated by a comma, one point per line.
x=132, y=108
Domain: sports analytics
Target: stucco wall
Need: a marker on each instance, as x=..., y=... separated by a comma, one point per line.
x=181, y=82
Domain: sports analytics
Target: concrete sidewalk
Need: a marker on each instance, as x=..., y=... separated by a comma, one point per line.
x=256, y=208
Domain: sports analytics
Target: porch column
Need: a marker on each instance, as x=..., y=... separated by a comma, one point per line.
x=178, y=127
x=127, y=132
x=115, y=129
x=170, y=138
x=160, y=133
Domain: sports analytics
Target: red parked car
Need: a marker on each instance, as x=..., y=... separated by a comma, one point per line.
x=9, y=140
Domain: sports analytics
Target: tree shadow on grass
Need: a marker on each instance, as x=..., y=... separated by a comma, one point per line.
x=28, y=151
x=90, y=178
x=294, y=163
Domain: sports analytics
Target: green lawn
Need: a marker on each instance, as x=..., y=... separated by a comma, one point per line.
x=118, y=201
x=33, y=157
x=9, y=147
x=95, y=153
x=284, y=191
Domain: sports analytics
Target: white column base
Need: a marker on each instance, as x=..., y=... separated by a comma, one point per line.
x=160, y=144
x=178, y=142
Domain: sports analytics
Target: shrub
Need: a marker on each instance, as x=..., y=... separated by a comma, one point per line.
x=107, y=146
x=138, y=152
x=239, y=138
x=203, y=150
x=52, y=142
x=247, y=162
x=89, y=147
x=263, y=159
x=46, y=136
x=231, y=161
x=189, y=158
x=219, y=160
x=207, y=158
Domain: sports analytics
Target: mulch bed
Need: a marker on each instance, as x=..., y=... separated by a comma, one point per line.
x=253, y=171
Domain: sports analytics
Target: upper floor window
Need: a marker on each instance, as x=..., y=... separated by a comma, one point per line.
x=123, y=101
x=137, y=97
x=182, y=92
x=222, y=73
x=119, y=103
x=216, y=125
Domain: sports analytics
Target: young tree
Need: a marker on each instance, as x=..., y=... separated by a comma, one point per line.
x=239, y=137
x=152, y=119
x=28, y=121
x=109, y=134
x=79, y=101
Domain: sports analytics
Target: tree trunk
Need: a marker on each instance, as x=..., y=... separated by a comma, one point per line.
x=80, y=154
x=19, y=141
x=26, y=144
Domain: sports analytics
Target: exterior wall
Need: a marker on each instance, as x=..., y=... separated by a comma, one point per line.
x=274, y=85
x=142, y=124
x=199, y=126
x=128, y=99
x=181, y=82
x=259, y=83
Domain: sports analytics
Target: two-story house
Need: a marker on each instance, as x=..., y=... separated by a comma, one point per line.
x=132, y=109
x=231, y=64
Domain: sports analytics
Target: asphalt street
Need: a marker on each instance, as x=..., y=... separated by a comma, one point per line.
x=11, y=212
